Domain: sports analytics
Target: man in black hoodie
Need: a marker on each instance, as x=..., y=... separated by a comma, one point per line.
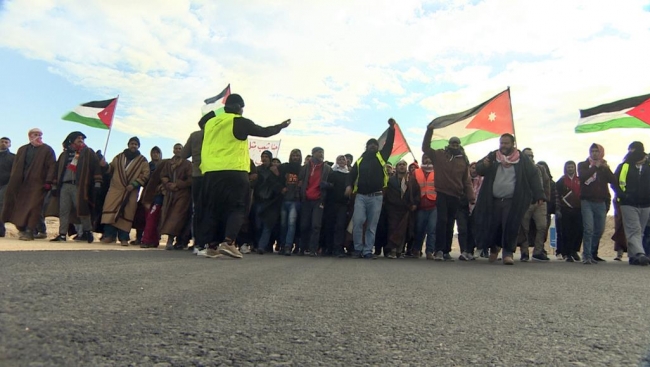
x=6, y=162
x=289, y=173
x=267, y=200
x=634, y=196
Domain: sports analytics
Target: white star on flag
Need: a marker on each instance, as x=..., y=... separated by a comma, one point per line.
x=492, y=116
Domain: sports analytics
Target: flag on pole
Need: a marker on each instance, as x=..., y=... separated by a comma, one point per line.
x=211, y=103
x=400, y=146
x=627, y=113
x=488, y=120
x=97, y=114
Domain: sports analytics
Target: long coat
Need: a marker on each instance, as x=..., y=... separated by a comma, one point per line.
x=25, y=193
x=398, y=210
x=120, y=205
x=176, y=206
x=528, y=186
x=88, y=173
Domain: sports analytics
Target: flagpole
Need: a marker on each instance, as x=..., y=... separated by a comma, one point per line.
x=512, y=117
x=110, y=128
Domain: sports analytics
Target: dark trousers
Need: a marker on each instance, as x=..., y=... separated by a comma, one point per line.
x=571, y=231
x=197, y=184
x=223, y=206
x=500, y=211
x=465, y=233
x=311, y=220
x=334, y=224
x=447, y=208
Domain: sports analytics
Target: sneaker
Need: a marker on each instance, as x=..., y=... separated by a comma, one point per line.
x=642, y=260
x=494, y=256
x=541, y=257
x=259, y=251
x=569, y=259
x=230, y=250
x=507, y=260
x=484, y=254
x=370, y=257
x=124, y=242
x=39, y=235
x=438, y=256
x=463, y=257
x=195, y=250
x=107, y=240
x=559, y=257
x=59, y=238
x=135, y=243
x=524, y=258
x=169, y=247
x=212, y=253
x=575, y=256
x=599, y=259
x=470, y=256
x=90, y=238
x=25, y=236
x=245, y=249
x=392, y=254
x=447, y=257
x=202, y=253
x=587, y=261
x=430, y=256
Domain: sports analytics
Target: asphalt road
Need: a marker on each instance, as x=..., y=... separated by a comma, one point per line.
x=159, y=308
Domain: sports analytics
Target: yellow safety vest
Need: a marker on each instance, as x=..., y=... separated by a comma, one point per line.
x=622, y=178
x=221, y=150
x=383, y=168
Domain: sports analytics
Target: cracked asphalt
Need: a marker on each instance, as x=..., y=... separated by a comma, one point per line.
x=158, y=308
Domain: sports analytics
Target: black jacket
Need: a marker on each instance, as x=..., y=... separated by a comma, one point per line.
x=6, y=162
x=637, y=188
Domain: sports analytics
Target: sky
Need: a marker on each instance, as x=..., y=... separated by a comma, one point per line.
x=339, y=68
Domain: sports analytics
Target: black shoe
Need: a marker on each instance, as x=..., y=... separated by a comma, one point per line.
x=59, y=238
x=599, y=259
x=260, y=251
x=569, y=259
x=447, y=257
x=88, y=235
x=169, y=247
x=575, y=256
x=524, y=258
x=484, y=253
x=541, y=257
x=639, y=259
x=370, y=257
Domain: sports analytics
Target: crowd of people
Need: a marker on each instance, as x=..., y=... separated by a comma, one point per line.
x=226, y=206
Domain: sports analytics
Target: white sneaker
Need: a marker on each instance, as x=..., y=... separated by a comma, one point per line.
x=245, y=249
x=195, y=251
x=202, y=253
x=559, y=257
x=469, y=256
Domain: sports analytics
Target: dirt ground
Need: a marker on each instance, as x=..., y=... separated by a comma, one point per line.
x=606, y=244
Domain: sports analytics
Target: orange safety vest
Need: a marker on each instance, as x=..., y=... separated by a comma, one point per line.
x=427, y=186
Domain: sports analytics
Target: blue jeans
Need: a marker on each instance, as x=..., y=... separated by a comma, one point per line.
x=425, y=225
x=288, y=220
x=263, y=229
x=366, y=210
x=112, y=232
x=593, y=224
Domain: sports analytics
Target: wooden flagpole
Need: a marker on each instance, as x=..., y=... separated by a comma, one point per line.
x=512, y=117
x=110, y=128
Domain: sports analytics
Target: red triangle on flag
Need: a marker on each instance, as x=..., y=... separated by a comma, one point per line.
x=642, y=112
x=106, y=115
x=495, y=117
x=225, y=96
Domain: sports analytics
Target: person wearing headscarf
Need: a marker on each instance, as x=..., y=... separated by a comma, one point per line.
x=289, y=173
x=151, y=200
x=77, y=184
x=451, y=166
x=634, y=197
x=336, y=208
x=130, y=171
x=595, y=175
x=569, y=213
x=32, y=175
x=176, y=183
x=6, y=162
x=399, y=205
x=511, y=182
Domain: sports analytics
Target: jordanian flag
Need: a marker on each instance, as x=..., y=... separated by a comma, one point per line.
x=400, y=146
x=212, y=105
x=488, y=120
x=97, y=114
x=623, y=114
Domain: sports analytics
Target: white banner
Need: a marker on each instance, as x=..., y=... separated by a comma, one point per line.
x=257, y=146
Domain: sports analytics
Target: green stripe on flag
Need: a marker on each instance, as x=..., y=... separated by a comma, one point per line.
x=475, y=137
x=75, y=117
x=619, y=123
x=394, y=159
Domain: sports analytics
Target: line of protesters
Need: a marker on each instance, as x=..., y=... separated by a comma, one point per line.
x=361, y=208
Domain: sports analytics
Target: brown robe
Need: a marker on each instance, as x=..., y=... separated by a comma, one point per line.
x=176, y=206
x=120, y=205
x=88, y=173
x=398, y=210
x=23, y=201
x=152, y=188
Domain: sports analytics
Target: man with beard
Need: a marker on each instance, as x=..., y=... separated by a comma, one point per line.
x=267, y=200
x=78, y=181
x=510, y=184
x=313, y=178
x=465, y=218
x=595, y=175
x=130, y=172
x=569, y=213
x=536, y=213
x=452, y=183
x=424, y=193
x=399, y=204
x=336, y=208
x=176, y=179
x=368, y=179
x=289, y=173
x=6, y=162
x=31, y=178
x=225, y=164
x=634, y=196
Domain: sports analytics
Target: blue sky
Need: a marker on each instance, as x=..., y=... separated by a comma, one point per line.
x=339, y=69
